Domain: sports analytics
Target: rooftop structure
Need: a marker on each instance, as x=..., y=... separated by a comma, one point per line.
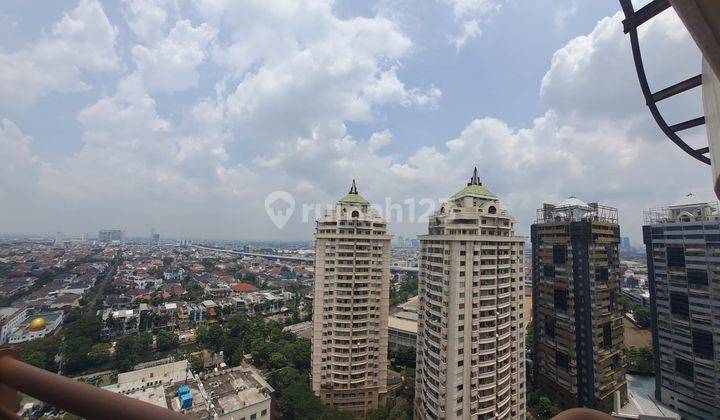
x=227, y=394
x=687, y=209
x=574, y=209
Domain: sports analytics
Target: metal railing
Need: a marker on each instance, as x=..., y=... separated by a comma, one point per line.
x=72, y=396
x=95, y=403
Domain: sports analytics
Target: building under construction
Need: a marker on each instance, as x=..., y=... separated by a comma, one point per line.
x=578, y=327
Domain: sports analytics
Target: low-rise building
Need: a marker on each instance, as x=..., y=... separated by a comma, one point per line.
x=237, y=393
x=35, y=326
x=10, y=318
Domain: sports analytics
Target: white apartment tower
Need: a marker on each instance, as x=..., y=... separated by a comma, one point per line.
x=471, y=336
x=350, y=309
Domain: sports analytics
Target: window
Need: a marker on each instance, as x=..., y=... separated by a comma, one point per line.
x=559, y=254
x=679, y=304
x=492, y=210
x=702, y=344
x=264, y=412
x=675, y=256
x=697, y=277
x=253, y=416
x=601, y=275
x=550, y=327
x=562, y=361
x=548, y=271
x=607, y=335
x=561, y=300
x=684, y=367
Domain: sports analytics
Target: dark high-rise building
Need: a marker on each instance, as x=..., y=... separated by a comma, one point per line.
x=577, y=325
x=682, y=243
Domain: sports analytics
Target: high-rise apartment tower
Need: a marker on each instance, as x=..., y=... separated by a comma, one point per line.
x=350, y=309
x=471, y=338
x=682, y=243
x=577, y=323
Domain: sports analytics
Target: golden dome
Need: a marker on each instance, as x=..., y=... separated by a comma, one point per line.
x=37, y=324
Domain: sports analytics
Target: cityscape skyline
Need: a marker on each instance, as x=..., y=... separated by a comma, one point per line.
x=206, y=147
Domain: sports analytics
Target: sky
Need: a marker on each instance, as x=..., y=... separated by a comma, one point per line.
x=186, y=115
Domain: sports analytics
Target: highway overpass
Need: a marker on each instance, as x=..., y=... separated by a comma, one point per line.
x=291, y=258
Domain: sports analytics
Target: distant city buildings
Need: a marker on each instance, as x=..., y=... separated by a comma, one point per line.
x=578, y=327
x=683, y=257
x=350, y=306
x=471, y=334
x=110, y=235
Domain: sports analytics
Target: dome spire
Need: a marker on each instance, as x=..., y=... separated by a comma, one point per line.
x=475, y=180
x=353, y=188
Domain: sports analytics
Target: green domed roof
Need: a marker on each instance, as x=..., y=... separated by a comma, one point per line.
x=353, y=196
x=474, y=188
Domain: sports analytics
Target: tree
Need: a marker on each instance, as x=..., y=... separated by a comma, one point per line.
x=545, y=409
x=196, y=361
x=74, y=315
x=529, y=335
x=99, y=353
x=403, y=356
x=641, y=315
x=40, y=353
x=142, y=343
x=75, y=353
x=89, y=327
x=640, y=360
x=166, y=340
x=277, y=361
x=125, y=356
x=212, y=337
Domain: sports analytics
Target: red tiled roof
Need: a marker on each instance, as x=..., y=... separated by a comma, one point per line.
x=243, y=288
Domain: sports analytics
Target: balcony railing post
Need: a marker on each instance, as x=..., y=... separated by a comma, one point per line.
x=8, y=396
x=72, y=396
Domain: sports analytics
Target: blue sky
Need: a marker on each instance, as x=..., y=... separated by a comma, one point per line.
x=183, y=115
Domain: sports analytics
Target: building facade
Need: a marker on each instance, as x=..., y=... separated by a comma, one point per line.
x=682, y=243
x=350, y=312
x=577, y=323
x=471, y=337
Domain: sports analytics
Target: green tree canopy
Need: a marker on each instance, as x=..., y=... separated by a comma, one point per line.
x=166, y=340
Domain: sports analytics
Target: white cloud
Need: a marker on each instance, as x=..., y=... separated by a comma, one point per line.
x=380, y=139
x=469, y=14
x=290, y=78
x=562, y=14
x=82, y=41
x=171, y=64
x=146, y=18
x=310, y=67
x=470, y=30
x=19, y=162
x=593, y=76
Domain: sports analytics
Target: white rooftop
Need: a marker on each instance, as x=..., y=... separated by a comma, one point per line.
x=573, y=202
x=688, y=200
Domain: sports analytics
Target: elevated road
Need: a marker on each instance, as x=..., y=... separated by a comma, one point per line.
x=291, y=258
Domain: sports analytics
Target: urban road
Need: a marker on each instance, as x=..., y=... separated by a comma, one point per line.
x=292, y=258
